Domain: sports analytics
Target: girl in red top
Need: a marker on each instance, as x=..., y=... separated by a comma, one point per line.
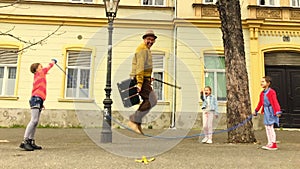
x=271, y=110
x=36, y=101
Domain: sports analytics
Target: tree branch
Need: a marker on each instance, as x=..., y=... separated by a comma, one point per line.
x=30, y=44
x=12, y=36
x=12, y=4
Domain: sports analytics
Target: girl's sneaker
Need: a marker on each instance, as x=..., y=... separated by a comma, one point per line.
x=265, y=147
x=34, y=146
x=272, y=146
x=209, y=141
x=26, y=145
x=204, y=140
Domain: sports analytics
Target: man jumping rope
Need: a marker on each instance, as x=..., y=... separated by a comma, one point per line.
x=141, y=71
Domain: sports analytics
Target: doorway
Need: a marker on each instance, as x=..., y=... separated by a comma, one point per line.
x=286, y=83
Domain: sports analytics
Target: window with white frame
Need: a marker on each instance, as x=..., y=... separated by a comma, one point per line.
x=82, y=1
x=158, y=73
x=295, y=3
x=8, y=71
x=215, y=75
x=209, y=1
x=268, y=2
x=153, y=2
x=78, y=74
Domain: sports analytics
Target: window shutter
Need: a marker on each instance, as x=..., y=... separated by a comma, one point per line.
x=8, y=56
x=158, y=61
x=79, y=58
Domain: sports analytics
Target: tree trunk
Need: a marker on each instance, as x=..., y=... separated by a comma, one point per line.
x=238, y=99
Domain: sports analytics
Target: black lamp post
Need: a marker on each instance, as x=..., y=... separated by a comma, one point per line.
x=111, y=8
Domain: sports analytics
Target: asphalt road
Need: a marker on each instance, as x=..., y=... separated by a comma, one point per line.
x=81, y=149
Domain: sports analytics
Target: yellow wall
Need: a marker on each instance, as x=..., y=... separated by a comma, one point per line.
x=191, y=42
x=195, y=35
x=51, y=48
x=89, y=22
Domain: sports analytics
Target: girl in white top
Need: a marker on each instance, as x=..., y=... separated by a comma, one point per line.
x=210, y=109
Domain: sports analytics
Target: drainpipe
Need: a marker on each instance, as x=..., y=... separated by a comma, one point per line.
x=173, y=120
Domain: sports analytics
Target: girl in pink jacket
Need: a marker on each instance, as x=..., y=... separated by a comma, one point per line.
x=271, y=110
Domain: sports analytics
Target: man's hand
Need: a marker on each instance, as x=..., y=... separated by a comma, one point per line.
x=138, y=89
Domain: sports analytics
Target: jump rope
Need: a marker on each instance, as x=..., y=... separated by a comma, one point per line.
x=171, y=137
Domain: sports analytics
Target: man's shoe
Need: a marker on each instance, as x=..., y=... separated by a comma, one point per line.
x=33, y=145
x=26, y=145
x=133, y=126
x=204, y=140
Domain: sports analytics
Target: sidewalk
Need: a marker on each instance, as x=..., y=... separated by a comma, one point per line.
x=74, y=148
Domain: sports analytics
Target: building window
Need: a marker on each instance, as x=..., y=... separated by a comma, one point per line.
x=8, y=71
x=215, y=75
x=78, y=71
x=153, y=2
x=295, y=3
x=209, y=1
x=158, y=73
x=269, y=2
x=82, y=1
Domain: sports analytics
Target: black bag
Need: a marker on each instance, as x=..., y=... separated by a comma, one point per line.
x=128, y=92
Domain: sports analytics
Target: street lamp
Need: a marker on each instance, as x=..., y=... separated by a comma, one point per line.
x=111, y=8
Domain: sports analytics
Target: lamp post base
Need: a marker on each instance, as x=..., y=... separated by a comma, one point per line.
x=106, y=137
x=106, y=133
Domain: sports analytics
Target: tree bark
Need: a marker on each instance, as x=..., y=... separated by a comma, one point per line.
x=238, y=99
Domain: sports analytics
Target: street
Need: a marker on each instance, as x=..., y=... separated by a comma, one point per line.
x=76, y=148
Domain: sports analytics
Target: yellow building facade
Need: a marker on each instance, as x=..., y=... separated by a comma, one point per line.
x=188, y=52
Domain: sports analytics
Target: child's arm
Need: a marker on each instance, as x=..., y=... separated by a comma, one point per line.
x=202, y=96
x=46, y=69
x=260, y=103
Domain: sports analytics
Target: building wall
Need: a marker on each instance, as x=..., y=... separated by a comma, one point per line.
x=196, y=29
x=79, y=20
